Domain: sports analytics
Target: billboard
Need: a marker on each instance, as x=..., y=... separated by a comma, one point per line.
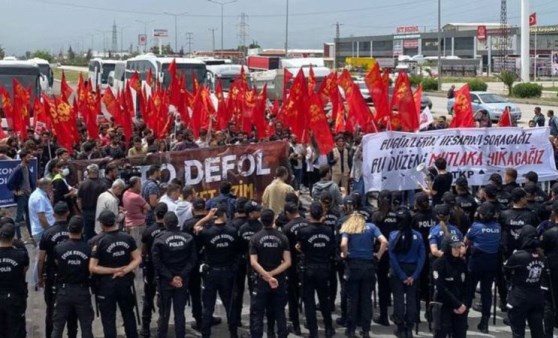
x=554, y=63
x=160, y=33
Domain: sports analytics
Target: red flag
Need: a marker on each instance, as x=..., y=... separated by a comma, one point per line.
x=345, y=81
x=463, y=109
x=287, y=77
x=340, y=123
x=65, y=89
x=172, y=69
x=294, y=108
x=359, y=112
x=311, y=81
x=91, y=111
x=403, y=99
x=533, y=19
x=319, y=126
x=248, y=110
x=223, y=113
x=505, y=119
x=20, y=112
x=149, y=78
x=417, y=97
x=135, y=82
x=64, y=123
x=379, y=92
x=258, y=114
x=160, y=110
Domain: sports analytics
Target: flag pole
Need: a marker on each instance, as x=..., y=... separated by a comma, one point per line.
x=535, y=66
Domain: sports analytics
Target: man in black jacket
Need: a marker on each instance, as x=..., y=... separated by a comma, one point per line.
x=174, y=256
x=22, y=183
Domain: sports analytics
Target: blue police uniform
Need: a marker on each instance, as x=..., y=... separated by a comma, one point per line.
x=436, y=235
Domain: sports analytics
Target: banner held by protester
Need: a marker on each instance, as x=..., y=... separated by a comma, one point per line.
x=391, y=158
x=6, y=168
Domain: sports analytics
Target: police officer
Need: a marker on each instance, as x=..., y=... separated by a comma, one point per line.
x=524, y=271
x=331, y=220
x=220, y=243
x=316, y=242
x=384, y=218
x=291, y=229
x=464, y=199
x=47, y=266
x=458, y=216
x=512, y=220
x=533, y=204
x=14, y=263
x=407, y=256
x=246, y=231
x=240, y=216
x=549, y=243
x=149, y=285
x=114, y=257
x=441, y=230
x=269, y=257
x=357, y=246
x=174, y=257
x=72, y=281
x=484, y=239
x=449, y=274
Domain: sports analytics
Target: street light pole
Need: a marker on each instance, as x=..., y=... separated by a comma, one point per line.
x=222, y=4
x=145, y=32
x=122, y=38
x=175, y=27
x=439, y=44
x=287, y=31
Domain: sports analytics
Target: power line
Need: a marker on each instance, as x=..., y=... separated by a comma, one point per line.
x=243, y=29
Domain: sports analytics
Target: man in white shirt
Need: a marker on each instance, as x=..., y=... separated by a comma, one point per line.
x=109, y=201
x=184, y=207
x=170, y=198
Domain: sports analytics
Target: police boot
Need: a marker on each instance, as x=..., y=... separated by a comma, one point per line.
x=400, y=332
x=233, y=334
x=349, y=333
x=483, y=325
x=145, y=332
x=329, y=332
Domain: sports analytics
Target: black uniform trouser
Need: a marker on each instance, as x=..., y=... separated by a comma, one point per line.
x=176, y=297
x=316, y=281
x=238, y=296
x=149, y=291
x=72, y=299
x=453, y=325
x=340, y=269
x=110, y=294
x=217, y=280
x=360, y=276
x=194, y=289
x=265, y=298
x=482, y=268
x=332, y=288
x=501, y=283
x=526, y=304
x=550, y=311
x=12, y=310
x=88, y=224
x=293, y=292
x=50, y=297
x=384, y=290
x=404, y=303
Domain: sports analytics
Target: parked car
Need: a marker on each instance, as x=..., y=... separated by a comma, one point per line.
x=493, y=103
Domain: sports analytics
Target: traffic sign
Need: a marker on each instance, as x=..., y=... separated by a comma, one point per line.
x=142, y=39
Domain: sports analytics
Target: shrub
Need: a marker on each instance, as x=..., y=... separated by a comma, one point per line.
x=477, y=85
x=429, y=84
x=508, y=78
x=415, y=80
x=525, y=90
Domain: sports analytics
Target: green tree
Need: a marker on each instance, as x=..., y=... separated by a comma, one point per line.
x=71, y=53
x=508, y=77
x=2, y=52
x=27, y=55
x=89, y=54
x=254, y=44
x=43, y=54
x=167, y=49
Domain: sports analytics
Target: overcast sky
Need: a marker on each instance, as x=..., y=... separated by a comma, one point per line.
x=55, y=24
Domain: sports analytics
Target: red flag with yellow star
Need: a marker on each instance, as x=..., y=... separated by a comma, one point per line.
x=318, y=124
x=403, y=99
x=463, y=109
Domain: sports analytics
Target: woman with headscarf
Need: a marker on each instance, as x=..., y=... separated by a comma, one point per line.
x=524, y=271
x=406, y=256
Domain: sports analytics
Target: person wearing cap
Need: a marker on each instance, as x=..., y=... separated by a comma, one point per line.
x=510, y=179
x=41, y=213
x=326, y=184
x=441, y=183
x=114, y=258
x=149, y=286
x=533, y=177
x=245, y=232
x=87, y=195
x=458, y=216
x=512, y=220
x=151, y=192
x=14, y=263
x=174, y=256
x=484, y=238
x=357, y=247
x=220, y=243
x=441, y=230
x=316, y=242
x=449, y=275
x=331, y=220
x=21, y=183
x=463, y=198
x=340, y=159
x=385, y=219
x=47, y=268
x=291, y=229
x=240, y=216
x=274, y=194
x=524, y=271
x=535, y=206
x=72, y=282
x=270, y=258
x=549, y=245
x=109, y=200
x=406, y=257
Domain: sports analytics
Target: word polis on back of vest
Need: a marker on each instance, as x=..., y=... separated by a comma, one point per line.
x=391, y=160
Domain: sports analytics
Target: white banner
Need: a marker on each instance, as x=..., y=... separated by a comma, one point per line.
x=391, y=158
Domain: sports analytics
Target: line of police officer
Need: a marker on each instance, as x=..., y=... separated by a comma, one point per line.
x=314, y=247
